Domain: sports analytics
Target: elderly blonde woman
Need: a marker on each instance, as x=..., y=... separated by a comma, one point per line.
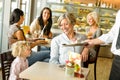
x=59, y=53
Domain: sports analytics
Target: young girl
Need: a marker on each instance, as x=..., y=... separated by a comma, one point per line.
x=21, y=50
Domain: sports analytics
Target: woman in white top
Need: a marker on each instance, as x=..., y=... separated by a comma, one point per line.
x=59, y=53
x=41, y=26
x=21, y=50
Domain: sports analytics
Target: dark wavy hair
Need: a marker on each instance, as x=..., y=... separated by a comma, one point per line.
x=48, y=26
x=15, y=16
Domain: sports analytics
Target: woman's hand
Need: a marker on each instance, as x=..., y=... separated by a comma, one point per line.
x=38, y=42
x=84, y=55
x=41, y=41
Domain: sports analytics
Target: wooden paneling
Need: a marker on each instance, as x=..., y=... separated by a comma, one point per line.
x=113, y=3
x=86, y=1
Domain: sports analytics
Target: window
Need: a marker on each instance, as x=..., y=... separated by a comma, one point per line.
x=25, y=6
x=1, y=13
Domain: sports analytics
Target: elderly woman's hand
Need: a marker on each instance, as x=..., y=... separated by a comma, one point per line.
x=84, y=55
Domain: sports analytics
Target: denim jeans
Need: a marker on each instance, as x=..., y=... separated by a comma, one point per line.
x=39, y=56
x=43, y=48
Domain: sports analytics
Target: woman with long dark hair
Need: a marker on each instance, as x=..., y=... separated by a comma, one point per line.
x=41, y=26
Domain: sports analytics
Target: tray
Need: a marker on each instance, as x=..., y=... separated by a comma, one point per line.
x=76, y=44
x=39, y=39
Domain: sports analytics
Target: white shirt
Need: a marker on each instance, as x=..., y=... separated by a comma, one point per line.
x=35, y=28
x=112, y=35
x=59, y=53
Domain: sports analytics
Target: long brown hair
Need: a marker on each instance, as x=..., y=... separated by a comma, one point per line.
x=49, y=25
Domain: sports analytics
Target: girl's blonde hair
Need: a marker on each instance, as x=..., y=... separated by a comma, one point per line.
x=94, y=15
x=19, y=47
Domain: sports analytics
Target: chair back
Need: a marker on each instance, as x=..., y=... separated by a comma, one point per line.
x=94, y=61
x=97, y=48
x=6, y=60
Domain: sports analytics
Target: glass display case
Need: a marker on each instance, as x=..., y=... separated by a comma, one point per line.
x=107, y=18
x=107, y=15
x=79, y=10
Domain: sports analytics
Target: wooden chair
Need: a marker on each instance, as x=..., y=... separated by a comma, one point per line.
x=93, y=61
x=6, y=60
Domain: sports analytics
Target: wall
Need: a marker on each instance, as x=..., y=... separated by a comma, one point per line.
x=5, y=25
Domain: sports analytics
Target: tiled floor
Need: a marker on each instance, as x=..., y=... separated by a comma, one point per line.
x=103, y=70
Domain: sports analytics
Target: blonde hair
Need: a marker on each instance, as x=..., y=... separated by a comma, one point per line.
x=69, y=16
x=19, y=47
x=95, y=16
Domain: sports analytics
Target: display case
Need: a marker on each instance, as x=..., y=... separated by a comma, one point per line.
x=107, y=15
x=79, y=10
x=107, y=18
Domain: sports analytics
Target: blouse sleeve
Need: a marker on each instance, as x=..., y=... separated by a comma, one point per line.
x=54, y=52
x=34, y=27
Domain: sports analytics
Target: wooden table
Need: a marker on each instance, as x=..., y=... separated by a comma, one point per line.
x=47, y=71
